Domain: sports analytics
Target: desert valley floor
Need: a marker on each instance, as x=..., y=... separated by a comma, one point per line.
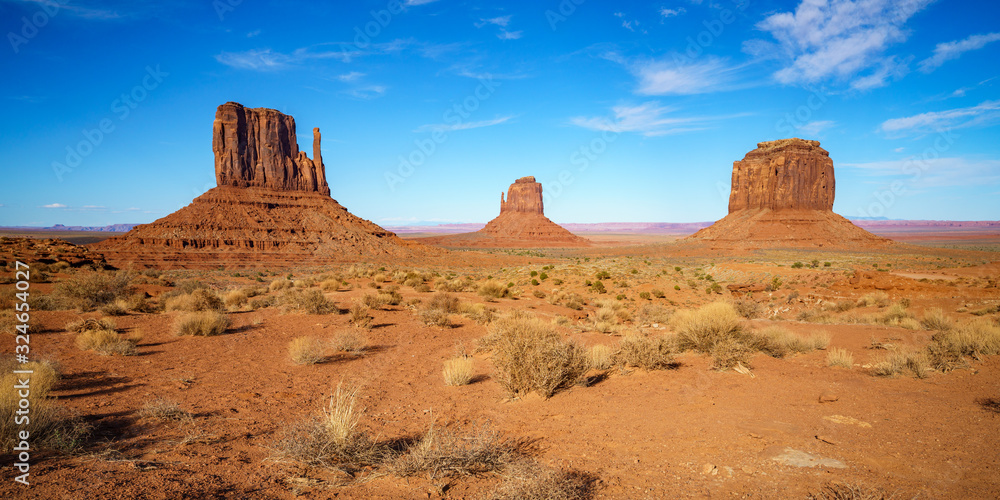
x=218, y=416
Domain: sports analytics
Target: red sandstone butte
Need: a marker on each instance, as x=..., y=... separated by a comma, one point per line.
x=272, y=207
x=521, y=224
x=782, y=197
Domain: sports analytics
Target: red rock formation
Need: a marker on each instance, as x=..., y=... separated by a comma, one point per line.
x=782, y=197
x=789, y=173
x=257, y=147
x=521, y=223
x=272, y=207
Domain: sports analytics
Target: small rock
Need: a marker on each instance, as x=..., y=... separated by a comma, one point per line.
x=826, y=440
x=828, y=397
x=709, y=469
x=756, y=436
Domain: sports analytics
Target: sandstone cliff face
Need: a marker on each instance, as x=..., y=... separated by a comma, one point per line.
x=257, y=147
x=524, y=195
x=784, y=174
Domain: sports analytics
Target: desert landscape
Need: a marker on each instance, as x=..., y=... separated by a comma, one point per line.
x=263, y=340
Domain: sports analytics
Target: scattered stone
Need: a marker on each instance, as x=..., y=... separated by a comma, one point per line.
x=828, y=397
x=709, y=469
x=797, y=458
x=841, y=419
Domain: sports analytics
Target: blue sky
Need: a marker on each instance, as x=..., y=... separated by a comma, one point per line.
x=430, y=108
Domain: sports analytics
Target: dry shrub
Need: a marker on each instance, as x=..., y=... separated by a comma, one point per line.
x=458, y=371
x=898, y=361
x=105, y=341
x=848, y=491
x=308, y=301
x=50, y=425
x=330, y=285
x=90, y=324
x=529, y=356
x=701, y=329
x=478, y=312
x=599, y=357
x=89, y=290
x=878, y=299
x=350, y=340
x=446, y=451
x=140, y=303
x=331, y=439
x=359, y=316
x=748, y=308
x=779, y=342
x=280, y=284
x=435, y=317
x=974, y=339
x=437, y=310
x=455, y=285
x=306, y=350
x=443, y=301
x=235, y=299
x=649, y=353
x=935, y=319
x=493, y=290
x=203, y=324
x=605, y=320
x=373, y=300
x=164, y=409
x=840, y=306
x=201, y=299
x=840, y=357
x=655, y=314
x=529, y=481
x=117, y=308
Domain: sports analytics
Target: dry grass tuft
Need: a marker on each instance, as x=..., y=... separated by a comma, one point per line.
x=446, y=451
x=848, y=491
x=105, y=341
x=899, y=361
x=840, y=357
x=936, y=320
x=649, y=353
x=351, y=341
x=748, y=308
x=50, y=425
x=458, y=371
x=493, y=290
x=202, y=324
x=306, y=351
x=201, y=299
x=975, y=339
x=164, y=409
x=655, y=314
x=529, y=481
x=599, y=357
x=307, y=301
x=280, y=284
x=359, y=315
x=877, y=299
x=529, y=356
x=779, y=342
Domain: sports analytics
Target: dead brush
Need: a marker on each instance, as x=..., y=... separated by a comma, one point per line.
x=778, y=342
x=973, y=339
x=876, y=299
x=649, y=353
x=479, y=313
x=164, y=410
x=306, y=351
x=748, y=308
x=200, y=299
x=526, y=480
x=307, y=301
x=529, y=356
x=840, y=357
x=359, y=315
x=201, y=324
x=50, y=425
x=936, y=320
x=492, y=290
x=655, y=314
x=91, y=324
x=449, y=450
x=350, y=341
x=899, y=361
x=106, y=341
x=458, y=370
x=850, y=491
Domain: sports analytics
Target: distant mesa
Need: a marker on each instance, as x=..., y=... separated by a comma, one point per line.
x=521, y=224
x=272, y=207
x=782, y=197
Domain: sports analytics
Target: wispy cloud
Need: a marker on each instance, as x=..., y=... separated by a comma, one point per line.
x=270, y=60
x=649, y=119
x=367, y=92
x=632, y=25
x=419, y=2
x=984, y=113
x=662, y=77
x=54, y=205
x=937, y=172
x=816, y=127
x=838, y=40
x=501, y=21
x=350, y=77
x=253, y=33
x=665, y=12
x=953, y=50
x=509, y=35
x=450, y=127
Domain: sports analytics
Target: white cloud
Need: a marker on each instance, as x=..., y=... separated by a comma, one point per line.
x=450, y=127
x=816, y=127
x=838, y=39
x=953, y=50
x=368, y=92
x=419, y=2
x=255, y=59
x=509, y=35
x=269, y=60
x=665, y=12
x=889, y=68
x=984, y=113
x=937, y=172
x=501, y=21
x=650, y=119
x=54, y=205
x=899, y=150
x=350, y=77
x=253, y=33
x=659, y=77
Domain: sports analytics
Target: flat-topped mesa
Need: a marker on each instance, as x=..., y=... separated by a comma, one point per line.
x=257, y=147
x=524, y=195
x=783, y=174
